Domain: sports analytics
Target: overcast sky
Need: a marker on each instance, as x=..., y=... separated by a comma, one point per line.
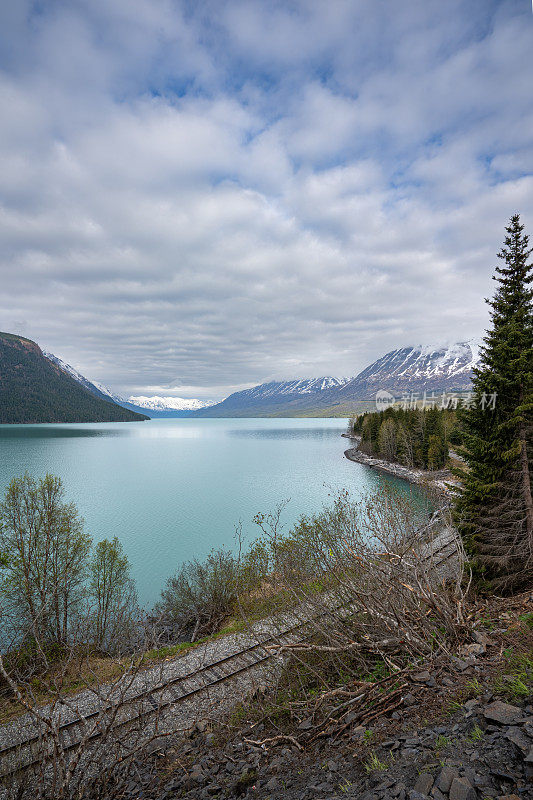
x=198, y=196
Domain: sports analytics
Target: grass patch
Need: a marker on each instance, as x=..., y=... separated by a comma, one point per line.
x=374, y=764
x=476, y=734
x=515, y=681
x=474, y=688
x=441, y=742
x=527, y=619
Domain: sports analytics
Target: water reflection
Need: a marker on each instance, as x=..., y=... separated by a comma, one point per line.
x=286, y=433
x=21, y=432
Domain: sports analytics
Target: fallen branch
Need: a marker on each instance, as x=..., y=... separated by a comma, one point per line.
x=274, y=740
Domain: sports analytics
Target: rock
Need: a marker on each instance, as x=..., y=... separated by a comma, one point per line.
x=481, y=638
x=503, y=713
x=529, y=757
x=460, y=665
x=437, y=794
x=518, y=737
x=421, y=677
x=414, y=795
x=424, y=783
x=272, y=784
x=409, y=699
x=397, y=789
x=445, y=778
x=473, y=650
x=502, y=776
x=471, y=776
x=462, y=789
x=323, y=787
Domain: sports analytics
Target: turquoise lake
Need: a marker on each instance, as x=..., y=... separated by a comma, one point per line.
x=173, y=489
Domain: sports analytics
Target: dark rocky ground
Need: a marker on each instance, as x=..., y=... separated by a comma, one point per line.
x=463, y=731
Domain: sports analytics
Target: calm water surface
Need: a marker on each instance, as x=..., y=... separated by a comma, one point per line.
x=173, y=489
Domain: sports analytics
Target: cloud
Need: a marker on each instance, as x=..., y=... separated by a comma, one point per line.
x=196, y=198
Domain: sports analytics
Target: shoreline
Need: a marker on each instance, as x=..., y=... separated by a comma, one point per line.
x=442, y=480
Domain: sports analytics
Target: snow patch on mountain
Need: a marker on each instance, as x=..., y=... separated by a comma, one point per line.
x=444, y=360
x=65, y=367
x=167, y=403
x=300, y=386
x=95, y=388
x=107, y=391
x=418, y=368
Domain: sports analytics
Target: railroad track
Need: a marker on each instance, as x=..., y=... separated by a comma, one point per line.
x=137, y=706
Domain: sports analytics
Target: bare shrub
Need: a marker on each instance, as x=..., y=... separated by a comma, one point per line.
x=202, y=594
x=377, y=591
x=113, y=725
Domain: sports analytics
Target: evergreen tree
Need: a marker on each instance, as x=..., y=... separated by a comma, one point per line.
x=494, y=508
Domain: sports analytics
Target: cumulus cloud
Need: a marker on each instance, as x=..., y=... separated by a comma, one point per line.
x=195, y=198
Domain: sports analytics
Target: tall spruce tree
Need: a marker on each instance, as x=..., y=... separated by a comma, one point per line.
x=494, y=508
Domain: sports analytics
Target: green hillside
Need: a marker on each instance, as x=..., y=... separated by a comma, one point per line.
x=32, y=389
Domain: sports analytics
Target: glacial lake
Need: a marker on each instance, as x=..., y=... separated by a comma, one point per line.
x=173, y=489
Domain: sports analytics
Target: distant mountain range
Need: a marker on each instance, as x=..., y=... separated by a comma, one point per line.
x=408, y=370
x=156, y=406
x=40, y=387
x=277, y=398
x=34, y=389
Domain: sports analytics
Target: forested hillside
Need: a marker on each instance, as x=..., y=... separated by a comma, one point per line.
x=32, y=389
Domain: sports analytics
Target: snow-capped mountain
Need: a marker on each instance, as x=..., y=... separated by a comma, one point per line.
x=417, y=369
x=276, y=398
x=105, y=390
x=95, y=388
x=284, y=388
x=167, y=403
x=157, y=406
x=409, y=369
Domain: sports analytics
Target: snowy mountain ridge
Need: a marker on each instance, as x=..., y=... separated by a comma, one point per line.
x=140, y=403
x=294, y=387
x=417, y=369
x=439, y=368
x=453, y=359
x=95, y=388
x=167, y=403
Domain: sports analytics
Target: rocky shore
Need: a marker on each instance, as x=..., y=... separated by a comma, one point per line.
x=441, y=480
